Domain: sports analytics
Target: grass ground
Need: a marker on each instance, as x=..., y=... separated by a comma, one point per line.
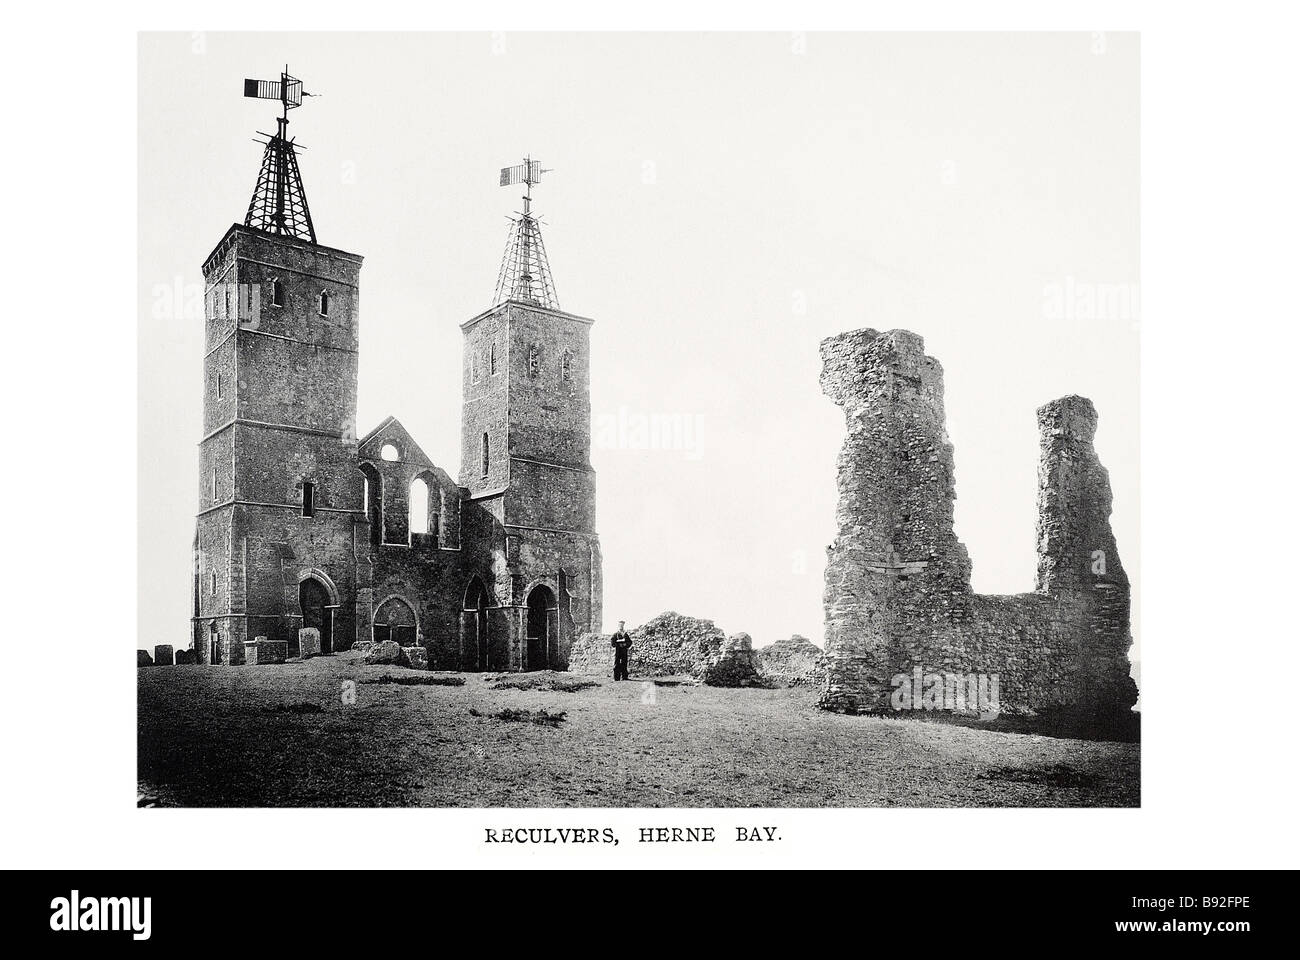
x=281, y=735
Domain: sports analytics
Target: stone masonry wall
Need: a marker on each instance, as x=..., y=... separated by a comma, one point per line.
x=898, y=593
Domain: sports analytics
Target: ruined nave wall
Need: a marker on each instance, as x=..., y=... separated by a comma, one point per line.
x=898, y=592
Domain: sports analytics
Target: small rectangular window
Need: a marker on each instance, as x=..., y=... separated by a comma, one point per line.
x=308, y=499
x=214, y=484
x=220, y=390
x=277, y=293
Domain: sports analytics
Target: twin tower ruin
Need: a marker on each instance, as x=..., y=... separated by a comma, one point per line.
x=898, y=597
x=305, y=525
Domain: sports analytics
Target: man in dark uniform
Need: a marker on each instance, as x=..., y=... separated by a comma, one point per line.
x=621, y=641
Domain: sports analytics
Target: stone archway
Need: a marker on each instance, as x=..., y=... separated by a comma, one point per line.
x=540, y=629
x=314, y=602
x=476, y=648
x=395, y=619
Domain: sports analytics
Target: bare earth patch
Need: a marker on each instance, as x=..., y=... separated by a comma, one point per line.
x=205, y=739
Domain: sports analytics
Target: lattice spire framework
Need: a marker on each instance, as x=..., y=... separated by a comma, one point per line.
x=279, y=203
x=525, y=272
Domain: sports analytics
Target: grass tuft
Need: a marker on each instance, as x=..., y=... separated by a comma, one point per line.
x=543, y=718
x=418, y=680
x=294, y=708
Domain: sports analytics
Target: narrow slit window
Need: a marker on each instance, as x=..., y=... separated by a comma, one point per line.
x=221, y=393
x=277, y=293
x=324, y=304
x=485, y=456
x=308, y=499
x=214, y=484
x=566, y=366
x=492, y=359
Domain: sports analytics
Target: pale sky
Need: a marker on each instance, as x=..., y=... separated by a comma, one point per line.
x=719, y=204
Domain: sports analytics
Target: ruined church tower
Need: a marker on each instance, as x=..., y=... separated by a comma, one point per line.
x=279, y=493
x=526, y=453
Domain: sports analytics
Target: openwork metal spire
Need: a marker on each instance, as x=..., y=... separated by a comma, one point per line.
x=279, y=203
x=525, y=272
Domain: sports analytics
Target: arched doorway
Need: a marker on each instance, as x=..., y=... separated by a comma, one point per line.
x=314, y=602
x=395, y=620
x=540, y=629
x=475, y=623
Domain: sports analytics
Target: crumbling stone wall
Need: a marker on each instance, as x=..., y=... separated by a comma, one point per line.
x=793, y=662
x=898, y=592
x=736, y=666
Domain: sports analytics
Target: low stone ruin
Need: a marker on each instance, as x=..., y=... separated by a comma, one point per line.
x=898, y=597
x=383, y=651
x=142, y=658
x=261, y=651
x=185, y=657
x=795, y=662
x=670, y=645
x=162, y=655
x=735, y=666
x=417, y=658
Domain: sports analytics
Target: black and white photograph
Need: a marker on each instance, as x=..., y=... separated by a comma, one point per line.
x=568, y=443
x=648, y=439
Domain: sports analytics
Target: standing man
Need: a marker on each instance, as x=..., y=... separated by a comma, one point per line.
x=621, y=641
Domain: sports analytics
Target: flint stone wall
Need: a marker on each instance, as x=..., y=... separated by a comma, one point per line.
x=735, y=666
x=668, y=645
x=898, y=591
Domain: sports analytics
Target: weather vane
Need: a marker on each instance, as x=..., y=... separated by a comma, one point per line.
x=279, y=204
x=525, y=272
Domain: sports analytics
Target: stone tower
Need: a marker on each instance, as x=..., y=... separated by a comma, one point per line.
x=525, y=459
x=279, y=492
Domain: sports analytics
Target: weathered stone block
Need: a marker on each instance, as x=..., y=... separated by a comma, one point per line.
x=386, y=651
x=261, y=651
x=417, y=658
x=162, y=655
x=142, y=658
x=308, y=642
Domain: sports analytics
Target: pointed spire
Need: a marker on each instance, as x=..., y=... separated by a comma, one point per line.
x=525, y=273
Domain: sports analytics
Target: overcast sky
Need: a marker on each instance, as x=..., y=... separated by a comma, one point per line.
x=719, y=204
